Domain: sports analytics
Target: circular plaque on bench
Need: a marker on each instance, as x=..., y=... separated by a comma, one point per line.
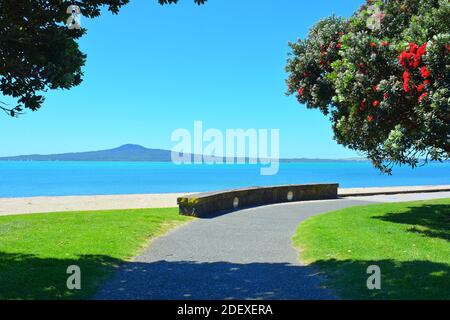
x=235, y=202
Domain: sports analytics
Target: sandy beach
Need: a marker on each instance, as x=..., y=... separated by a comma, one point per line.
x=83, y=203
x=9, y=206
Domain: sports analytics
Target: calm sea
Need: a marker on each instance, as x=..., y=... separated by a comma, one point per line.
x=24, y=179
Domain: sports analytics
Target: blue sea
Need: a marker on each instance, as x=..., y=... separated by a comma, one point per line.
x=25, y=179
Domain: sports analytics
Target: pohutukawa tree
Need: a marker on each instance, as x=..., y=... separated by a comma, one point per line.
x=37, y=50
x=382, y=76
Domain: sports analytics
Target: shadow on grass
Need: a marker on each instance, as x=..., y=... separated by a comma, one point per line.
x=25, y=276
x=399, y=280
x=31, y=277
x=430, y=220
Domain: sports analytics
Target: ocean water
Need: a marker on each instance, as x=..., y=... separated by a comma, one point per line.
x=25, y=179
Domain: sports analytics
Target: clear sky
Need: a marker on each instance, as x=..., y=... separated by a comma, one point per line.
x=153, y=69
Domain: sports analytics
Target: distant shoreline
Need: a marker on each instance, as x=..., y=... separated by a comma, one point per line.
x=137, y=153
x=224, y=162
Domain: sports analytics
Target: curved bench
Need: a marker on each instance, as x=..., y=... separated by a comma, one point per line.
x=204, y=204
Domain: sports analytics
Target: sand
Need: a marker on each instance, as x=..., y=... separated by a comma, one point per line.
x=9, y=206
x=82, y=203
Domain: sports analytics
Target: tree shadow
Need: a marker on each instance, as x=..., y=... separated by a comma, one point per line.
x=25, y=276
x=430, y=220
x=223, y=280
x=407, y=280
x=189, y=280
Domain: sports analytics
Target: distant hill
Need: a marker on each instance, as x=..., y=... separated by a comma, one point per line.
x=129, y=152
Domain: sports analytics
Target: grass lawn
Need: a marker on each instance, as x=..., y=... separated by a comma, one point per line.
x=36, y=249
x=410, y=242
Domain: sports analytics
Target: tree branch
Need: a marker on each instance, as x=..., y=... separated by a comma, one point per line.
x=13, y=112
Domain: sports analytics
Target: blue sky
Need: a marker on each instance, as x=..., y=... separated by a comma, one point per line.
x=154, y=69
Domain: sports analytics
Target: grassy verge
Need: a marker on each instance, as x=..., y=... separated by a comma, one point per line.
x=35, y=250
x=410, y=242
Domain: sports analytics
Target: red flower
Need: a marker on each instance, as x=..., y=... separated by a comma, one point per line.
x=384, y=43
x=376, y=103
x=324, y=53
x=412, y=56
x=420, y=87
x=406, y=79
x=372, y=44
x=426, y=82
x=375, y=88
x=386, y=96
x=422, y=96
x=425, y=72
x=404, y=59
x=301, y=91
x=370, y=118
x=339, y=45
x=422, y=49
x=413, y=47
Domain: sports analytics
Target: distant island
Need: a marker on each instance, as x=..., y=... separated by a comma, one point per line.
x=131, y=152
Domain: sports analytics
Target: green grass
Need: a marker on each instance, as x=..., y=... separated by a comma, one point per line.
x=36, y=249
x=410, y=242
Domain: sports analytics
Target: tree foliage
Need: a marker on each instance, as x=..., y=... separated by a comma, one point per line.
x=382, y=76
x=38, y=52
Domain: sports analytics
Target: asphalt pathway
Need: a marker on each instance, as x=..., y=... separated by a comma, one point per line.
x=245, y=254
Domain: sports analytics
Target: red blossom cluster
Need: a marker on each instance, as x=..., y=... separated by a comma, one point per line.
x=412, y=56
x=411, y=59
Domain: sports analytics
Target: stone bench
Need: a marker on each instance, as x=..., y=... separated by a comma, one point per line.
x=206, y=204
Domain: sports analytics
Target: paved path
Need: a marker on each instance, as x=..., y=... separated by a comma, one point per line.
x=344, y=192
x=402, y=197
x=245, y=254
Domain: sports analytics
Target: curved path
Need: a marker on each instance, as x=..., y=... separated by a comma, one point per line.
x=246, y=254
